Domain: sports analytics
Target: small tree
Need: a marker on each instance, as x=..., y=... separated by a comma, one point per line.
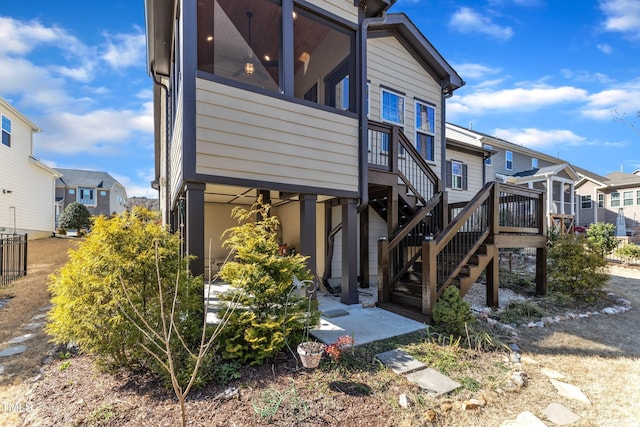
x=576, y=268
x=257, y=329
x=603, y=237
x=452, y=312
x=75, y=216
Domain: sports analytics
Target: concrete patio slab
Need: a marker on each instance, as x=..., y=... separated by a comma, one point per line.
x=399, y=361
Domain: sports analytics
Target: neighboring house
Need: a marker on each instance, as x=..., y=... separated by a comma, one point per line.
x=515, y=164
x=98, y=191
x=609, y=198
x=26, y=184
x=334, y=112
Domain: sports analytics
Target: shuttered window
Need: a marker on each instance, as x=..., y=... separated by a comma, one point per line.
x=456, y=175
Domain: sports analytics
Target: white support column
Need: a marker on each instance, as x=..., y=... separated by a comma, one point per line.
x=549, y=201
x=573, y=198
x=562, y=198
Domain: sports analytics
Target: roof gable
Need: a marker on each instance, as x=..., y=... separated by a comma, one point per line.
x=77, y=177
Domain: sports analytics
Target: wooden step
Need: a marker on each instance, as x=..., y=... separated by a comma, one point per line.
x=415, y=314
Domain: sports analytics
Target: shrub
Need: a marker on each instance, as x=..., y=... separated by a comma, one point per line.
x=603, y=237
x=451, y=312
x=256, y=329
x=576, y=268
x=90, y=305
x=629, y=252
x=75, y=216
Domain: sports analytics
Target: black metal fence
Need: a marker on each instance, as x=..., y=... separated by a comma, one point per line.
x=13, y=257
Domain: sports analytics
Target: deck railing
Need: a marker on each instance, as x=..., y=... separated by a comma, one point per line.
x=13, y=257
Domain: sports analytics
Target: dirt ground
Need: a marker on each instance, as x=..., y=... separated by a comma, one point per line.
x=600, y=355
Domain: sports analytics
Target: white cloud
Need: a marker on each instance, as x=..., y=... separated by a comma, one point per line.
x=605, y=48
x=539, y=139
x=622, y=16
x=140, y=186
x=587, y=77
x=622, y=99
x=475, y=71
x=520, y=98
x=20, y=38
x=124, y=50
x=466, y=20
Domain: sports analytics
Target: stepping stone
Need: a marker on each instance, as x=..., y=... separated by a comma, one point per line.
x=1, y=369
x=560, y=415
x=329, y=314
x=11, y=351
x=433, y=382
x=39, y=316
x=550, y=373
x=524, y=419
x=34, y=325
x=46, y=307
x=21, y=338
x=399, y=361
x=570, y=391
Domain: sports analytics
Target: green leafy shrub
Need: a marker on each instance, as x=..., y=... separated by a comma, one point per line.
x=256, y=329
x=112, y=274
x=451, y=312
x=576, y=268
x=629, y=252
x=75, y=216
x=603, y=237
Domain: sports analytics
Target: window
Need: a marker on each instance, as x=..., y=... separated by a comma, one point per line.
x=392, y=107
x=585, y=202
x=601, y=200
x=103, y=193
x=487, y=161
x=6, y=131
x=615, y=200
x=241, y=44
x=638, y=197
x=627, y=198
x=456, y=175
x=86, y=196
x=425, y=130
x=508, y=163
x=72, y=191
x=534, y=165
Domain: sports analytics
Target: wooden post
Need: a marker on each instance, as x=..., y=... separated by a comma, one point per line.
x=429, y=277
x=364, y=248
x=493, y=276
x=541, y=271
x=384, y=293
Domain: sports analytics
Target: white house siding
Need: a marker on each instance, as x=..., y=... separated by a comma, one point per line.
x=262, y=138
x=344, y=9
x=474, y=165
x=32, y=184
x=390, y=64
x=585, y=217
x=117, y=198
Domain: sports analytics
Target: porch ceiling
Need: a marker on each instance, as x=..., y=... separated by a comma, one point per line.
x=228, y=194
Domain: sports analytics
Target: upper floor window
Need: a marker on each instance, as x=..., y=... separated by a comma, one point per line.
x=240, y=43
x=392, y=107
x=534, y=165
x=627, y=198
x=425, y=130
x=585, y=202
x=601, y=200
x=86, y=195
x=487, y=161
x=638, y=197
x=508, y=160
x=615, y=200
x=6, y=131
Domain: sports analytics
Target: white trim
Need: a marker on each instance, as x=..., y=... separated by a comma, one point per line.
x=431, y=133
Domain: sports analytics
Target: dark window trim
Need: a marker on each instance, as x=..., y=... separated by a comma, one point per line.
x=422, y=101
x=385, y=87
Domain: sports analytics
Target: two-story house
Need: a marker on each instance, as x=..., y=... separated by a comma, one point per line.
x=334, y=112
x=101, y=193
x=26, y=184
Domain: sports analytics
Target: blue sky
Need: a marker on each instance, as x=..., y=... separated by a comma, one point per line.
x=547, y=74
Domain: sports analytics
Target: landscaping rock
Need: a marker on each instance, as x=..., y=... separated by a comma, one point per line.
x=472, y=404
x=609, y=310
x=21, y=338
x=11, y=351
x=570, y=391
x=550, y=373
x=524, y=419
x=560, y=415
x=404, y=401
x=433, y=382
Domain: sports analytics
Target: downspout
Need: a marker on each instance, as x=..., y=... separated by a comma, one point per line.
x=167, y=197
x=363, y=158
x=445, y=93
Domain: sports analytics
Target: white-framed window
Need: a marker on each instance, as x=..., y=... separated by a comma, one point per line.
x=615, y=200
x=534, y=165
x=425, y=130
x=627, y=198
x=87, y=195
x=601, y=200
x=6, y=131
x=638, y=197
x=488, y=161
x=103, y=193
x=72, y=191
x=585, y=202
x=392, y=107
x=508, y=160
